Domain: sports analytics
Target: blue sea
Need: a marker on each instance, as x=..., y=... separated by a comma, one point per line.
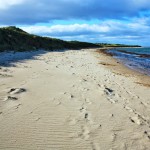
x=134, y=58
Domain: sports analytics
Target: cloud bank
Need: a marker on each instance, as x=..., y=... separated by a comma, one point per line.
x=123, y=21
x=110, y=30
x=35, y=11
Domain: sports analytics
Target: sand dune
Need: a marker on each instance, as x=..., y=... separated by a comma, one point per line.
x=70, y=100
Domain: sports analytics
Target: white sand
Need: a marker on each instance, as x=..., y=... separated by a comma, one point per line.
x=68, y=101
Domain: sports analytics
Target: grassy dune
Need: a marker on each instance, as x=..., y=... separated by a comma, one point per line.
x=13, y=38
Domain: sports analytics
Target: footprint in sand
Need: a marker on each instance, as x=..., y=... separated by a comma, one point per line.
x=73, y=121
x=83, y=80
x=136, y=120
x=144, y=104
x=16, y=90
x=114, y=136
x=5, y=75
x=95, y=146
x=110, y=93
x=82, y=109
x=85, y=89
x=69, y=95
x=88, y=101
x=86, y=116
x=111, y=115
x=57, y=102
x=128, y=108
x=17, y=106
x=10, y=98
x=37, y=119
x=101, y=86
x=147, y=134
x=84, y=133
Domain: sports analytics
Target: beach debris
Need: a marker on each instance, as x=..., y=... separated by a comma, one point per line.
x=106, y=64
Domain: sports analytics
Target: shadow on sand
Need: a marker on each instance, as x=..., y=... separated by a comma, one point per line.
x=8, y=59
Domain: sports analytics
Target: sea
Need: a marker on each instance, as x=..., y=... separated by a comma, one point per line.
x=134, y=58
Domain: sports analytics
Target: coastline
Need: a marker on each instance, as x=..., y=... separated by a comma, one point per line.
x=119, y=68
x=71, y=99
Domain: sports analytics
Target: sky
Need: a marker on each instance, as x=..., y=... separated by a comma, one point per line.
x=111, y=21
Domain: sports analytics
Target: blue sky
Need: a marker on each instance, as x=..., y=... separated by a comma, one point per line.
x=112, y=21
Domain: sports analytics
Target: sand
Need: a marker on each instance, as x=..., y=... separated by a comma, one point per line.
x=70, y=100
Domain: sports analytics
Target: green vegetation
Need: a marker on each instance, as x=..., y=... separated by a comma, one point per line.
x=116, y=45
x=13, y=38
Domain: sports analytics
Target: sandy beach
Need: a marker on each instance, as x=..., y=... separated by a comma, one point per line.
x=72, y=100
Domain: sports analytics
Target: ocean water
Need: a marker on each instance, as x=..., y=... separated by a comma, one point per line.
x=134, y=58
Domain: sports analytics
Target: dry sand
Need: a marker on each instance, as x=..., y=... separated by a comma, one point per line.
x=70, y=100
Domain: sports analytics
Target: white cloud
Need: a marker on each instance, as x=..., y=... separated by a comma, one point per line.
x=66, y=28
x=135, y=30
x=4, y=4
x=134, y=26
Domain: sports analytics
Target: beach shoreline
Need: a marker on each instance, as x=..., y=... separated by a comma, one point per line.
x=73, y=99
x=119, y=68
